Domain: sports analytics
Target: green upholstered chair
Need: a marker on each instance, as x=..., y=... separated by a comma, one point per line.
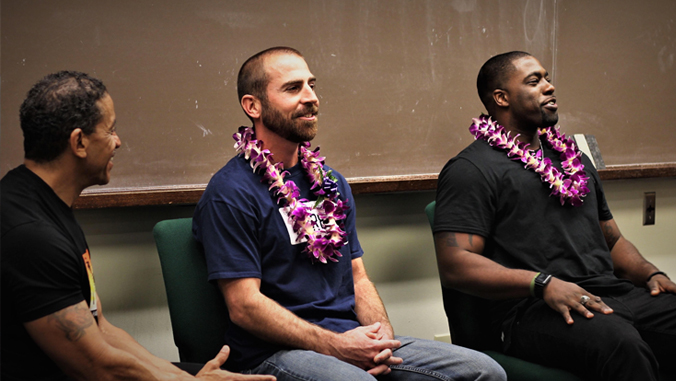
x=196, y=307
x=468, y=319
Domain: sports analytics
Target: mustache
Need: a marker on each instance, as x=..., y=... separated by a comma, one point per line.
x=307, y=110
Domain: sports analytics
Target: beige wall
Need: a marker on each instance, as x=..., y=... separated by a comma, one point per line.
x=656, y=242
x=393, y=231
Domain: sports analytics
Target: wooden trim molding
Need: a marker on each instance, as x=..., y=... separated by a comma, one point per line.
x=190, y=194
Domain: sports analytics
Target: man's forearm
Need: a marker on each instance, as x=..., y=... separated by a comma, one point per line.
x=630, y=264
x=266, y=319
x=369, y=307
x=121, y=340
x=461, y=266
x=82, y=349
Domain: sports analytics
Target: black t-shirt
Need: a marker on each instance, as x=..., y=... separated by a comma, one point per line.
x=482, y=191
x=45, y=268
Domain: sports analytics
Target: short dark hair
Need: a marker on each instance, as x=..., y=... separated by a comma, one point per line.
x=493, y=74
x=54, y=107
x=252, y=78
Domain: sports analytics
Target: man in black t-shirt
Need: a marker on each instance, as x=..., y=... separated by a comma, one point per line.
x=522, y=220
x=52, y=324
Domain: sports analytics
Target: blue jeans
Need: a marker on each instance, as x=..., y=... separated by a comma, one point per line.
x=424, y=360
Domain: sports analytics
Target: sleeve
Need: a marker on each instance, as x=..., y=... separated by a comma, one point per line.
x=230, y=242
x=350, y=223
x=465, y=201
x=42, y=275
x=603, y=208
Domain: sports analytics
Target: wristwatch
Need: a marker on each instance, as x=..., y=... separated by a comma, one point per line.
x=539, y=283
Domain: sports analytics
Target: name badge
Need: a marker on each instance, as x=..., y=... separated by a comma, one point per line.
x=314, y=217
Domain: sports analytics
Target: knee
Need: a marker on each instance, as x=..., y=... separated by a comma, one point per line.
x=480, y=367
x=627, y=351
x=490, y=370
x=630, y=344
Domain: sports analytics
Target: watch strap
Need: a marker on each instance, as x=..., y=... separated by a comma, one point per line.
x=539, y=283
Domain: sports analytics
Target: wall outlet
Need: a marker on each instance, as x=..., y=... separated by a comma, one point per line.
x=649, y=208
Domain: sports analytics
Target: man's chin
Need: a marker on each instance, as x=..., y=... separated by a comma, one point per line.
x=550, y=121
x=104, y=180
x=304, y=134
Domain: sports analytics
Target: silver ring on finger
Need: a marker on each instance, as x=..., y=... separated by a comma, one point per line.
x=584, y=299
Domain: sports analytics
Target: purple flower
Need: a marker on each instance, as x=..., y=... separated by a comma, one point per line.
x=570, y=186
x=322, y=244
x=329, y=186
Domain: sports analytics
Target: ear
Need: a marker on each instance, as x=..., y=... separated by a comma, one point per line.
x=78, y=143
x=501, y=98
x=251, y=106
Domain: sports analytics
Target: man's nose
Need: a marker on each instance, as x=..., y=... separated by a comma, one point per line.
x=118, y=141
x=309, y=95
x=549, y=88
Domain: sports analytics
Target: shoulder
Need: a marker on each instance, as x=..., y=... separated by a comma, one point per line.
x=37, y=243
x=481, y=153
x=41, y=269
x=589, y=168
x=478, y=157
x=235, y=188
x=21, y=206
x=343, y=186
x=235, y=180
x=335, y=173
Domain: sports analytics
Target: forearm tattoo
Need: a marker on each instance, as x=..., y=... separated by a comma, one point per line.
x=73, y=321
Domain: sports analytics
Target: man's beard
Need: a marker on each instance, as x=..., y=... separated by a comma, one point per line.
x=291, y=129
x=549, y=120
x=534, y=123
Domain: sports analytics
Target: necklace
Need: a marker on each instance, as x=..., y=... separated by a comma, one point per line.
x=324, y=238
x=570, y=186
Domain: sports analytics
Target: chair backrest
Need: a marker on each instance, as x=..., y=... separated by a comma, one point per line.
x=468, y=316
x=196, y=307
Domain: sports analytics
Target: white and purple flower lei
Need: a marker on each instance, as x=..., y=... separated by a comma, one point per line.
x=322, y=244
x=570, y=186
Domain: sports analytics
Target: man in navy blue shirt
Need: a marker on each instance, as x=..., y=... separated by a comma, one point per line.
x=278, y=230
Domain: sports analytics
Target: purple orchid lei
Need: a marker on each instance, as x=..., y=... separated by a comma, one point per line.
x=570, y=186
x=322, y=243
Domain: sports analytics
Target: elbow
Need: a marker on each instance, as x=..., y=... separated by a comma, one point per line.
x=449, y=278
x=241, y=296
x=450, y=273
x=237, y=316
x=240, y=311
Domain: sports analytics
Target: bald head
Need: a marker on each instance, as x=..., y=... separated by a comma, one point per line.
x=252, y=78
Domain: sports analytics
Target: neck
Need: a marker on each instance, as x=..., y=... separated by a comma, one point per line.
x=58, y=177
x=526, y=134
x=283, y=151
x=529, y=137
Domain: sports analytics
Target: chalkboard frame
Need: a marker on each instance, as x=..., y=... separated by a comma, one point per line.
x=189, y=195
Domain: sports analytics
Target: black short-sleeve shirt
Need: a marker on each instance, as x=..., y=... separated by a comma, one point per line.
x=482, y=191
x=45, y=268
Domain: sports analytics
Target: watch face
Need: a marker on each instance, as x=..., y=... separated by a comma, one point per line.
x=543, y=279
x=540, y=282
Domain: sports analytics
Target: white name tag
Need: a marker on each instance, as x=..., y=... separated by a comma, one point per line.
x=314, y=217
